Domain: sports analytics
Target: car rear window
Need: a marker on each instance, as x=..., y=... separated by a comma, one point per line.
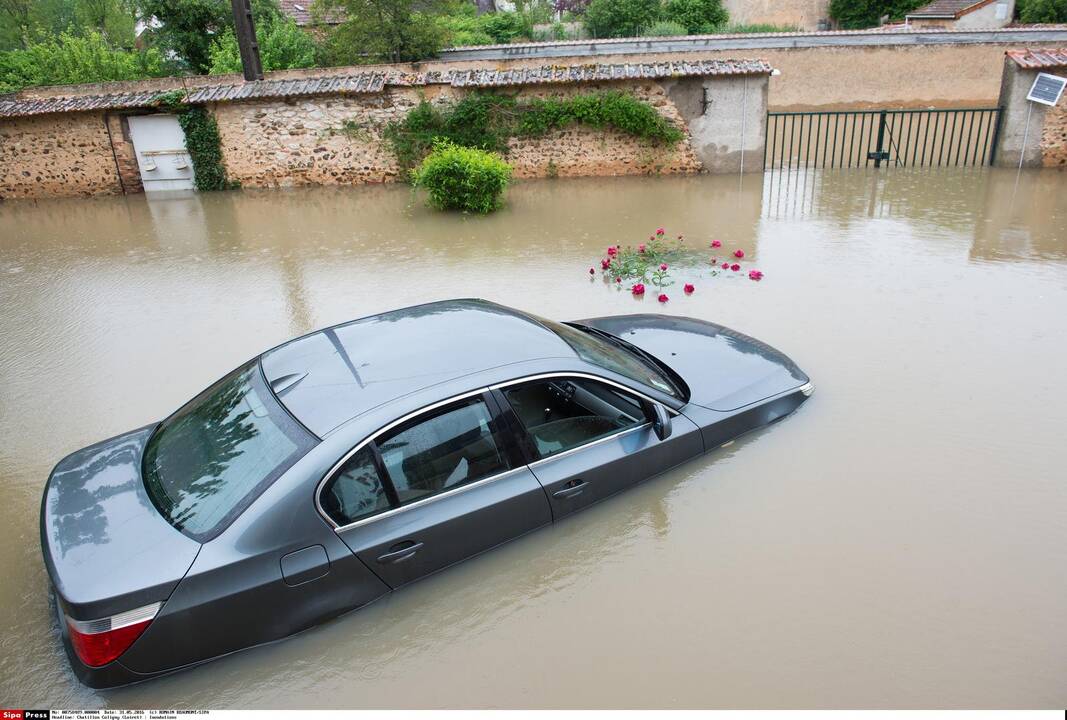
x=207, y=462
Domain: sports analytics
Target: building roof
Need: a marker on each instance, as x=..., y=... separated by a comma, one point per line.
x=226, y=90
x=332, y=375
x=300, y=12
x=1039, y=59
x=947, y=8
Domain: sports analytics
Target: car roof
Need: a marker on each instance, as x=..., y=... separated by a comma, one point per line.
x=329, y=376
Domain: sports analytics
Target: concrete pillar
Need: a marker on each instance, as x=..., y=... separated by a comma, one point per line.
x=727, y=119
x=1020, y=119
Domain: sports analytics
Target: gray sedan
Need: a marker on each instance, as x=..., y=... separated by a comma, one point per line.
x=349, y=462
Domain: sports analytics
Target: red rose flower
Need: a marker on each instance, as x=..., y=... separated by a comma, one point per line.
x=739, y=254
x=613, y=251
x=716, y=243
x=592, y=271
x=735, y=267
x=663, y=298
x=726, y=266
x=605, y=264
x=755, y=275
x=641, y=247
x=618, y=279
x=659, y=231
x=638, y=289
x=663, y=266
x=689, y=288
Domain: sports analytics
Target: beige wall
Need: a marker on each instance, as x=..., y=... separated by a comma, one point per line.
x=55, y=155
x=1054, y=135
x=804, y=14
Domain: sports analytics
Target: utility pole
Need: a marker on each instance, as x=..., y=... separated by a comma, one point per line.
x=246, y=39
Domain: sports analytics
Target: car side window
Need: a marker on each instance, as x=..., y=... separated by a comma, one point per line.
x=564, y=413
x=355, y=491
x=452, y=446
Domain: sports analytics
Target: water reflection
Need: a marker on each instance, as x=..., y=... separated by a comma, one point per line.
x=800, y=567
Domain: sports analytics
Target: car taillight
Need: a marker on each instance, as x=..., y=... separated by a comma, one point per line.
x=98, y=642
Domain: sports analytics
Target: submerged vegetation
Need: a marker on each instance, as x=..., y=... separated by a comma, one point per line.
x=463, y=178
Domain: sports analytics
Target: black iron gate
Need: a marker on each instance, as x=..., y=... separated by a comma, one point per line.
x=862, y=138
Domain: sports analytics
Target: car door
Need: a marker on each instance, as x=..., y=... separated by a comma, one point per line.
x=434, y=489
x=589, y=438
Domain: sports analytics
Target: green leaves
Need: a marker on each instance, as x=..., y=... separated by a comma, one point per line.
x=460, y=178
x=205, y=148
x=486, y=121
x=71, y=59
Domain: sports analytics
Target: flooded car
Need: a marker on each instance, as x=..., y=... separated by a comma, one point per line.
x=351, y=461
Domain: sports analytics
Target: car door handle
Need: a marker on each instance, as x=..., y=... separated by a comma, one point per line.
x=399, y=555
x=576, y=487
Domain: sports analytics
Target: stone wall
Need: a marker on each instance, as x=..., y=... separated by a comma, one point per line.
x=1034, y=132
x=56, y=155
x=338, y=140
x=1054, y=136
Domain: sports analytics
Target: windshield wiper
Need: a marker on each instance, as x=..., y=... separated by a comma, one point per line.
x=647, y=357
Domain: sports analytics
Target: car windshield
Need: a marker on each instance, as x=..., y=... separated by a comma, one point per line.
x=615, y=355
x=206, y=463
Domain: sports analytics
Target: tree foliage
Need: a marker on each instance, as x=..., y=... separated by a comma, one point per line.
x=697, y=16
x=384, y=30
x=857, y=14
x=282, y=46
x=1042, y=11
x=463, y=178
x=620, y=18
x=27, y=22
x=72, y=59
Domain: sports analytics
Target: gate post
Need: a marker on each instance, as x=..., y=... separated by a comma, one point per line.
x=881, y=140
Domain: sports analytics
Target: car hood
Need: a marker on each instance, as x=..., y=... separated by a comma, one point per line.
x=724, y=369
x=106, y=547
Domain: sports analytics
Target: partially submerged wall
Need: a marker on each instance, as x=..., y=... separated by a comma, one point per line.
x=53, y=155
x=1030, y=131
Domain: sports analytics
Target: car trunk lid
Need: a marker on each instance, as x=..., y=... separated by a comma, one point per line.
x=106, y=547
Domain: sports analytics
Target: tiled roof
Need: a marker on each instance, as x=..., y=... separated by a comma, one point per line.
x=1039, y=59
x=596, y=72
x=948, y=8
x=363, y=83
x=300, y=12
x=357, y=84
x=12, y=106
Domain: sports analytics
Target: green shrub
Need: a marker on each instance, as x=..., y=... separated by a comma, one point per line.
x=461, y=178
x=665, y=28
x=620, y=18
x=486, y=121
x=1042, y=11
x=71, y=59
x=696, y=16
x=609, y=108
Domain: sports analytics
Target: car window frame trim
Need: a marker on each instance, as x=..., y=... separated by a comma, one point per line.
x=487, y=391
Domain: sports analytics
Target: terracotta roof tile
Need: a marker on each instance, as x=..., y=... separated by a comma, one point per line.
x=948, y=8
x=1039, y=59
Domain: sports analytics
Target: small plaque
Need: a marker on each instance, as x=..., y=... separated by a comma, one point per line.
x=1047, y=89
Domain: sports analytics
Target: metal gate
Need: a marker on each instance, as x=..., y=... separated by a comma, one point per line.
x=899, y=138
x=161, y=155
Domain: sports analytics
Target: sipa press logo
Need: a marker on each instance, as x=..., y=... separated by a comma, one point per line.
x=25, y=714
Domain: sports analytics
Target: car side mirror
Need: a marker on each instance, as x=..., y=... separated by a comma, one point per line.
x=661, y=421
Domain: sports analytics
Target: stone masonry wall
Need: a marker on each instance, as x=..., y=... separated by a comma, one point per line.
x=339, y=139
x=1054, y=136
x=56, y=155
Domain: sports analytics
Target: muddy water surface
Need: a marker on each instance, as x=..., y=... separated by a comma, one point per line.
x=900, y=541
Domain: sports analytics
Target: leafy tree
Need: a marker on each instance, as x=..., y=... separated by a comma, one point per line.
x=25, y=22
x=282, y=46
x=1042, y=11
x=384, y=30
x=620, y=18
x=188, y=27
x=697, y=16
x=74, y=59
x=856, y=14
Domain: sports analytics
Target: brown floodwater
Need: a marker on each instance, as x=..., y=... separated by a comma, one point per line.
x=901, y=541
